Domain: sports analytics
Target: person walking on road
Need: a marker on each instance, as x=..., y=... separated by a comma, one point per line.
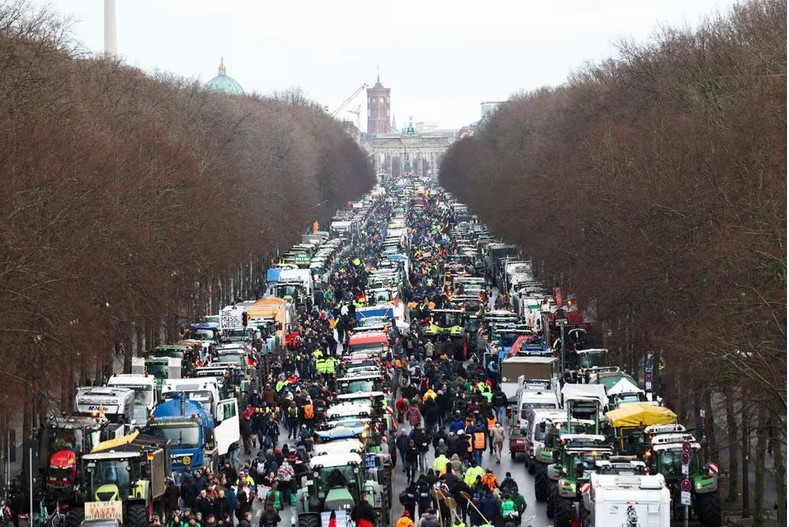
x=363, y=513
x=497, y=440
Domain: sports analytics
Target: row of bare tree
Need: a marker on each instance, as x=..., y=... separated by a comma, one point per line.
x=132, y=204
x=653, y=185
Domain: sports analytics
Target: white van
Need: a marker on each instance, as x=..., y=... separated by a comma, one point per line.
x=537, y=400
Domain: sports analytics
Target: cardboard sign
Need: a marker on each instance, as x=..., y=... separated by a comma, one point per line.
x=104, y=510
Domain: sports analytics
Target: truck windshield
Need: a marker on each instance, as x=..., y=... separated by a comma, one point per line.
x=590, y=360
x=180, y=436
x=109, y=480
x=447, y=320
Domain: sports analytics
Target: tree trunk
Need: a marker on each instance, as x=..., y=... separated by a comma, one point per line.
x=779, y=467
x=731, y=436
x=761, y=449
x=709, y=423
x=745, y=447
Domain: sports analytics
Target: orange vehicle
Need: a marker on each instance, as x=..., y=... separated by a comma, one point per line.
x=276, y=309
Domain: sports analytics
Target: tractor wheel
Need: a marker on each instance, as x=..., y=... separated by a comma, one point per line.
x=74, y=517
x=708, y=509
x=549, y=512
x=541, y=482
x=309, y=519
x=529, y=464
x=563, y=511
x=513, y=455
x=136, y=515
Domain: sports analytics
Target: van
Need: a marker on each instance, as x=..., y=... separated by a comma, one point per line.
x=538, y=400
x=533, y=435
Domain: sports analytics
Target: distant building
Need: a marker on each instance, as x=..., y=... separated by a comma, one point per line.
x=378, y=107
x=425, y=126
x=487, y=108
x=224, y=84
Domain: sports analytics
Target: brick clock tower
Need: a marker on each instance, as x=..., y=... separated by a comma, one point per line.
x=378, y=118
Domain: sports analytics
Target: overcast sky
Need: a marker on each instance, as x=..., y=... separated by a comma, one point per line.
x=441, y=58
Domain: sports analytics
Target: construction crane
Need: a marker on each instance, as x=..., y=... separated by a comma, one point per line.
x=357, y=112
x=347, y=101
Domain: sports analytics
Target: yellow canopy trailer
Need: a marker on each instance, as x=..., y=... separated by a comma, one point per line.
x=629, y=421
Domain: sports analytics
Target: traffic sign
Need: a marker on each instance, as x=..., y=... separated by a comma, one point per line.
x=560, y=316
x=684, y=498
x=685, y=485
x=686, y=446
x=686, y=458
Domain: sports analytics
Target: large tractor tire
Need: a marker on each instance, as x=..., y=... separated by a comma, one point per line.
x=309, y=519
x=530, y=464
x=708, y=509
x=136, y=516
x=549, y=502
x=563, y=511
x=541, y=482
x=75, y=516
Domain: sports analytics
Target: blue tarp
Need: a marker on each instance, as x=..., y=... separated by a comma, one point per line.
x=272, y=275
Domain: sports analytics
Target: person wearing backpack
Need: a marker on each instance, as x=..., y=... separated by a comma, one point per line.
x=414, y=415
x=428, y=519
x=508, y=511
x=292, y=414
x=308, y=414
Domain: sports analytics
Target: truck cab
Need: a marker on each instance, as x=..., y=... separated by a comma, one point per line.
x=115, y=404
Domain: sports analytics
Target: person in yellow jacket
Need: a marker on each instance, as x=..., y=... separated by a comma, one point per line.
x=474, y=470
x=429, y=394
x=440, y=464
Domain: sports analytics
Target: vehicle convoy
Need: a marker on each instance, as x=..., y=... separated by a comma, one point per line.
x=190, y=429
x=336, y=483
x=124, y=479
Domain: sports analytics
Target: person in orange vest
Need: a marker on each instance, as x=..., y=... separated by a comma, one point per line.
x=490, y=421
x=479, y=441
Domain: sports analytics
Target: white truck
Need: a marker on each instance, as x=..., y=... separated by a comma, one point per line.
x=205, y=390
x=626, y=500
x=116, y=405
x=144, y=388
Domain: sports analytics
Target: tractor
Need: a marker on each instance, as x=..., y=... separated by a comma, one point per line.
x=665, y=457
x=578, y=458
x=124, y=479
x=336, y=483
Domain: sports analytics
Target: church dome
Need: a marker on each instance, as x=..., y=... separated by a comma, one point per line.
x=224, y=84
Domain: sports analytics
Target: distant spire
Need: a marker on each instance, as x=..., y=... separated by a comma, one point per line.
x=394, y=123
x=377, y=74
x=222, y=70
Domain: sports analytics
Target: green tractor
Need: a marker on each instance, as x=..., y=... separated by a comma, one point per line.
x=449, y=322
x=337, y=483
x=578, y=458
x=124, y=479
x=665, y=457
x=544, y=467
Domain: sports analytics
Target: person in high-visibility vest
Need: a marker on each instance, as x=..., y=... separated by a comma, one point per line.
x=479, y=442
